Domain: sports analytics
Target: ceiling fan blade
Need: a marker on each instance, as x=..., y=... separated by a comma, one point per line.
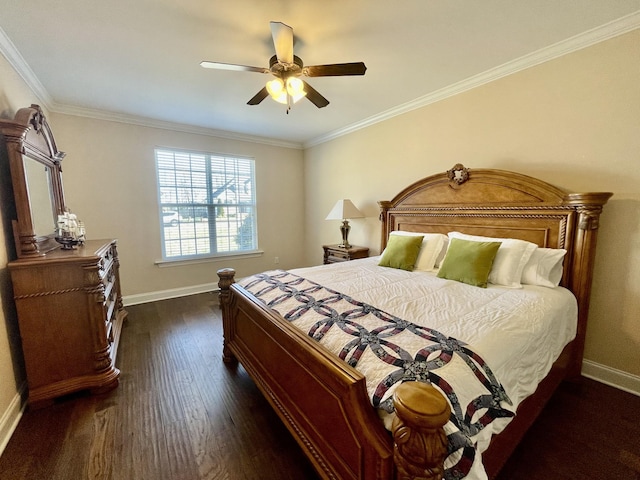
x=314, y=96
x=282, y=41
x=258, y=97
x=236, y=68
x=335, y=70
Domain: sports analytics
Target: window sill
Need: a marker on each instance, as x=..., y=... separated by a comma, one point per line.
x=217, y=258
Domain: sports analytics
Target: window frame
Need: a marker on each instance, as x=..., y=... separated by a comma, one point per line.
x=187, y=183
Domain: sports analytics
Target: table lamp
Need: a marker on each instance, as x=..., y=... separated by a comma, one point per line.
x=343, y=210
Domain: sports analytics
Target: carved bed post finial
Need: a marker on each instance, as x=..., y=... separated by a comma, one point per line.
x=420, y=443
x=226, y=276
x=458, y=175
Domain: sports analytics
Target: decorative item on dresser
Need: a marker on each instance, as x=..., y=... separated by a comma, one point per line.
x=343, y=210
x=338, y=253
x=68, y=300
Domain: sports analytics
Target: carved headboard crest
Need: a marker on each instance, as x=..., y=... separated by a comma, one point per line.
x=458, y=175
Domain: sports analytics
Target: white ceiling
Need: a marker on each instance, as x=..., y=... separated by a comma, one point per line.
x=133, y=59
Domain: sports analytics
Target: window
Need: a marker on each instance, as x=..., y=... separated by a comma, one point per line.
x=207, y=204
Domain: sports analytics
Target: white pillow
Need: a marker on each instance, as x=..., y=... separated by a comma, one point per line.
x=440, y=257
x=544, y=268
x=432, y=245
x=510, y=260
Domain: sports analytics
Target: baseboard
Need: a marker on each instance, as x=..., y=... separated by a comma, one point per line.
x=167, y=294
x=610, y=376
x=11, y=417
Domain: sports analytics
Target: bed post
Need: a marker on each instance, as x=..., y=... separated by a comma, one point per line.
x=226, y=276
x=589, y=207
x=420, y=443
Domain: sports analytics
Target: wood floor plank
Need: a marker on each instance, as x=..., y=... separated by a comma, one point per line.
x=180, y=413
x=101, y=445
x=203, y=439
x=182, y=463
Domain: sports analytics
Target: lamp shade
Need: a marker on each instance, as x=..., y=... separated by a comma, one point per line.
x=344, y=209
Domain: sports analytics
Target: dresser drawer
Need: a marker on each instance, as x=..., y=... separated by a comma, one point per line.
x=108, y=278
x=105, y=267
x=337, y=256
x=110, y=301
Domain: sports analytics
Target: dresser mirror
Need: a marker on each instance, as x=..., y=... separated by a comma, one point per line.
x=36, y=177
x=40, y=196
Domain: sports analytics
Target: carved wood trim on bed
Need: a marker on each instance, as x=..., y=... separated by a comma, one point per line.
x=323, y=401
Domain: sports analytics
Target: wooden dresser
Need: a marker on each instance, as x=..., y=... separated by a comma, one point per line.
x=70, y=315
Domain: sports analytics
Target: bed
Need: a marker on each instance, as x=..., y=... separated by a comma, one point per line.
x=324, y=401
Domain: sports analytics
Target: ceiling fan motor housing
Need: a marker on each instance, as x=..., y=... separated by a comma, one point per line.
x=281, y=69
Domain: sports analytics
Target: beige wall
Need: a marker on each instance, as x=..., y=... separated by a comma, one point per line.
x=573, y=122
x=14, y=94
x=110, y=183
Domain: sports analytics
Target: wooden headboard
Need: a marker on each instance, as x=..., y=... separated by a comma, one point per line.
x=499, y=203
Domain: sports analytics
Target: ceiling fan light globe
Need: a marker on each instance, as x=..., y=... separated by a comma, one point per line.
x=298, y=96
x=281, y=98
x=275, y=87
x=294, y=86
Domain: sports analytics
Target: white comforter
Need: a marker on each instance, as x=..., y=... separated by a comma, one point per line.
x=518, y=332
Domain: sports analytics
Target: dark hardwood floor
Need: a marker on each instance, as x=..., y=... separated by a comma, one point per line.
x=180, y=413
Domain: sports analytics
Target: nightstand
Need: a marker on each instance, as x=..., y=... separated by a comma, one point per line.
x=336, y=253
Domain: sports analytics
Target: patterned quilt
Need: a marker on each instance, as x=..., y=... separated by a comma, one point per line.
x=389, y=350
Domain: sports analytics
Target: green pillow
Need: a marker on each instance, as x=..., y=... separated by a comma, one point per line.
x=468, y=261
x=401, y=252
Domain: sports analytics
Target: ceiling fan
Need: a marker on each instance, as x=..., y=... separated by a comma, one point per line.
x=288, y=87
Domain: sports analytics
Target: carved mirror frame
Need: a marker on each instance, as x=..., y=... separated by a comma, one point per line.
x=28, y=138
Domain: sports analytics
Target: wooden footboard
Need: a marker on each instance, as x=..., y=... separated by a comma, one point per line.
x=323, y=401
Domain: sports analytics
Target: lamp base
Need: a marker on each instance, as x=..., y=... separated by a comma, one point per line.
x=344, y=229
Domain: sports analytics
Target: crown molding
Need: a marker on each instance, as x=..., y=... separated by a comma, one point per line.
x=174, y=127
x=15, y=59
x=578, y=42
